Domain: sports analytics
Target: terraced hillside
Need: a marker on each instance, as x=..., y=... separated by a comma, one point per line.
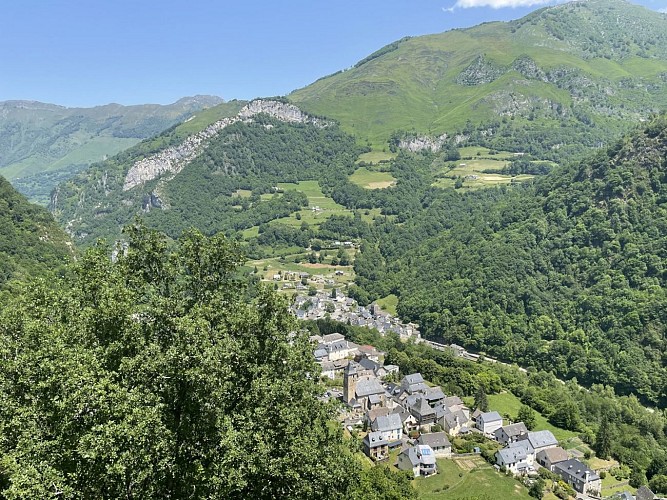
x=552, y=83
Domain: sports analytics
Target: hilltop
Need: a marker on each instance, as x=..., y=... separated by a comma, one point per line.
x=41, y=144
x=555, y=82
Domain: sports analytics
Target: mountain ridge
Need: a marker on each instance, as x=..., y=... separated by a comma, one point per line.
x=546, y=70
x=42, y=143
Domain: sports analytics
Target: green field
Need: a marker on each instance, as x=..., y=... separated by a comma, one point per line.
x=388, y=304
x=374, y=157
x=468, y=478
x=316, y=198
x=473, y=174
x=507, y=403
x=372, y=179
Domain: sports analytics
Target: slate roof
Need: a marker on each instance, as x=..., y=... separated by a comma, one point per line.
x=453, y=401
x=434, y=394
x=514, y=430
x=435, y=440
x=387, y=423
x=421, y=407
x=492, y=416
x=512, y=455
x=332, y=337
x=366, y=387
x=414, y=378
x=420, y=454
x=542, y=439
x=574, y=468
x=375, y=439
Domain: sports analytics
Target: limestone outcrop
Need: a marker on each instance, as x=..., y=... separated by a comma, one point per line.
x=173, y=159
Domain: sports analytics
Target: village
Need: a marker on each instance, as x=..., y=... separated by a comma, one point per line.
x=407, y=422
x=338, y=307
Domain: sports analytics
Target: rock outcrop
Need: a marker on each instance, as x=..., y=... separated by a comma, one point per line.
x=172, y=160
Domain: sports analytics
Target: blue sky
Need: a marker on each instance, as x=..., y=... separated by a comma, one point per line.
x=89, y=52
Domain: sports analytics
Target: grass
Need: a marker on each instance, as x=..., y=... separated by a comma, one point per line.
x=372, y=179
x=611, y=485
x=315, y=199
x=389, y=304
x=375, y=157
x=508, y=403
x=470, y=478
x=473, y=173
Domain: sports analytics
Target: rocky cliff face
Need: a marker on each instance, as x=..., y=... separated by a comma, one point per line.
x=172, y=160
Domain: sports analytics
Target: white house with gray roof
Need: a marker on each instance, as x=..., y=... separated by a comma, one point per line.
x=510, y=433
x=580, y=477
x=438, y=442
x=489, y=422
x=420, y=459
x=390, y=426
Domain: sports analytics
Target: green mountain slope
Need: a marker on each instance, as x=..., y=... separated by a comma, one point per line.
x=189, y=175
x=41, y=144
x=31, y=243
x=567, y=275
x=559, y=79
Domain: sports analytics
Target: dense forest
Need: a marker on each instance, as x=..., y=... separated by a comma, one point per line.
x=165, y=373
x=566, y=275
x=31, y=243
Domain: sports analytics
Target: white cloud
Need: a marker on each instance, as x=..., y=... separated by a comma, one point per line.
x=494, y=4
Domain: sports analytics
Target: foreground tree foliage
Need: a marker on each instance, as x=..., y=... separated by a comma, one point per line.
x=162, y=375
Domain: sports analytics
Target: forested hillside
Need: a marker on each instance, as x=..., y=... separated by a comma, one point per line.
x=565, y=275
x=251, y=155
x=31, y=243
x=558, y=81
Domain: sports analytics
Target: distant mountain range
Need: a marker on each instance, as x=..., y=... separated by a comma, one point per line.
x=561, y=79
x=41, y=144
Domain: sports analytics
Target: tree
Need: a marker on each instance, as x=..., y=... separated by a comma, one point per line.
x=658, y=484
x=162, y=375
x=603, y=439
x=481, y=400
x=527, y=416
x=537, y=489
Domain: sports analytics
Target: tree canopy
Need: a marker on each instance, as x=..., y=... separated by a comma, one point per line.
x=162, y=374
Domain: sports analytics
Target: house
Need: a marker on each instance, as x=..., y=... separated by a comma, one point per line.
x=438, y=442
x=489, y=422
x=377, y=369
x=551, y=456
x=510, y=433
x=332, y=337
x=454, y=403
x=341, y=349
x=452, y=422
x=333, y=369
x=375, y=446
x=418, y=406
x=420, y=459
x=408, y=420
x=370, y=352
x=517, y=457
x=390, y=426
x=361, y=389
x=511, y=458
x=413, y=383
x=580, y=477
x=434, y=396
x=540, y=440
x=382, y=411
